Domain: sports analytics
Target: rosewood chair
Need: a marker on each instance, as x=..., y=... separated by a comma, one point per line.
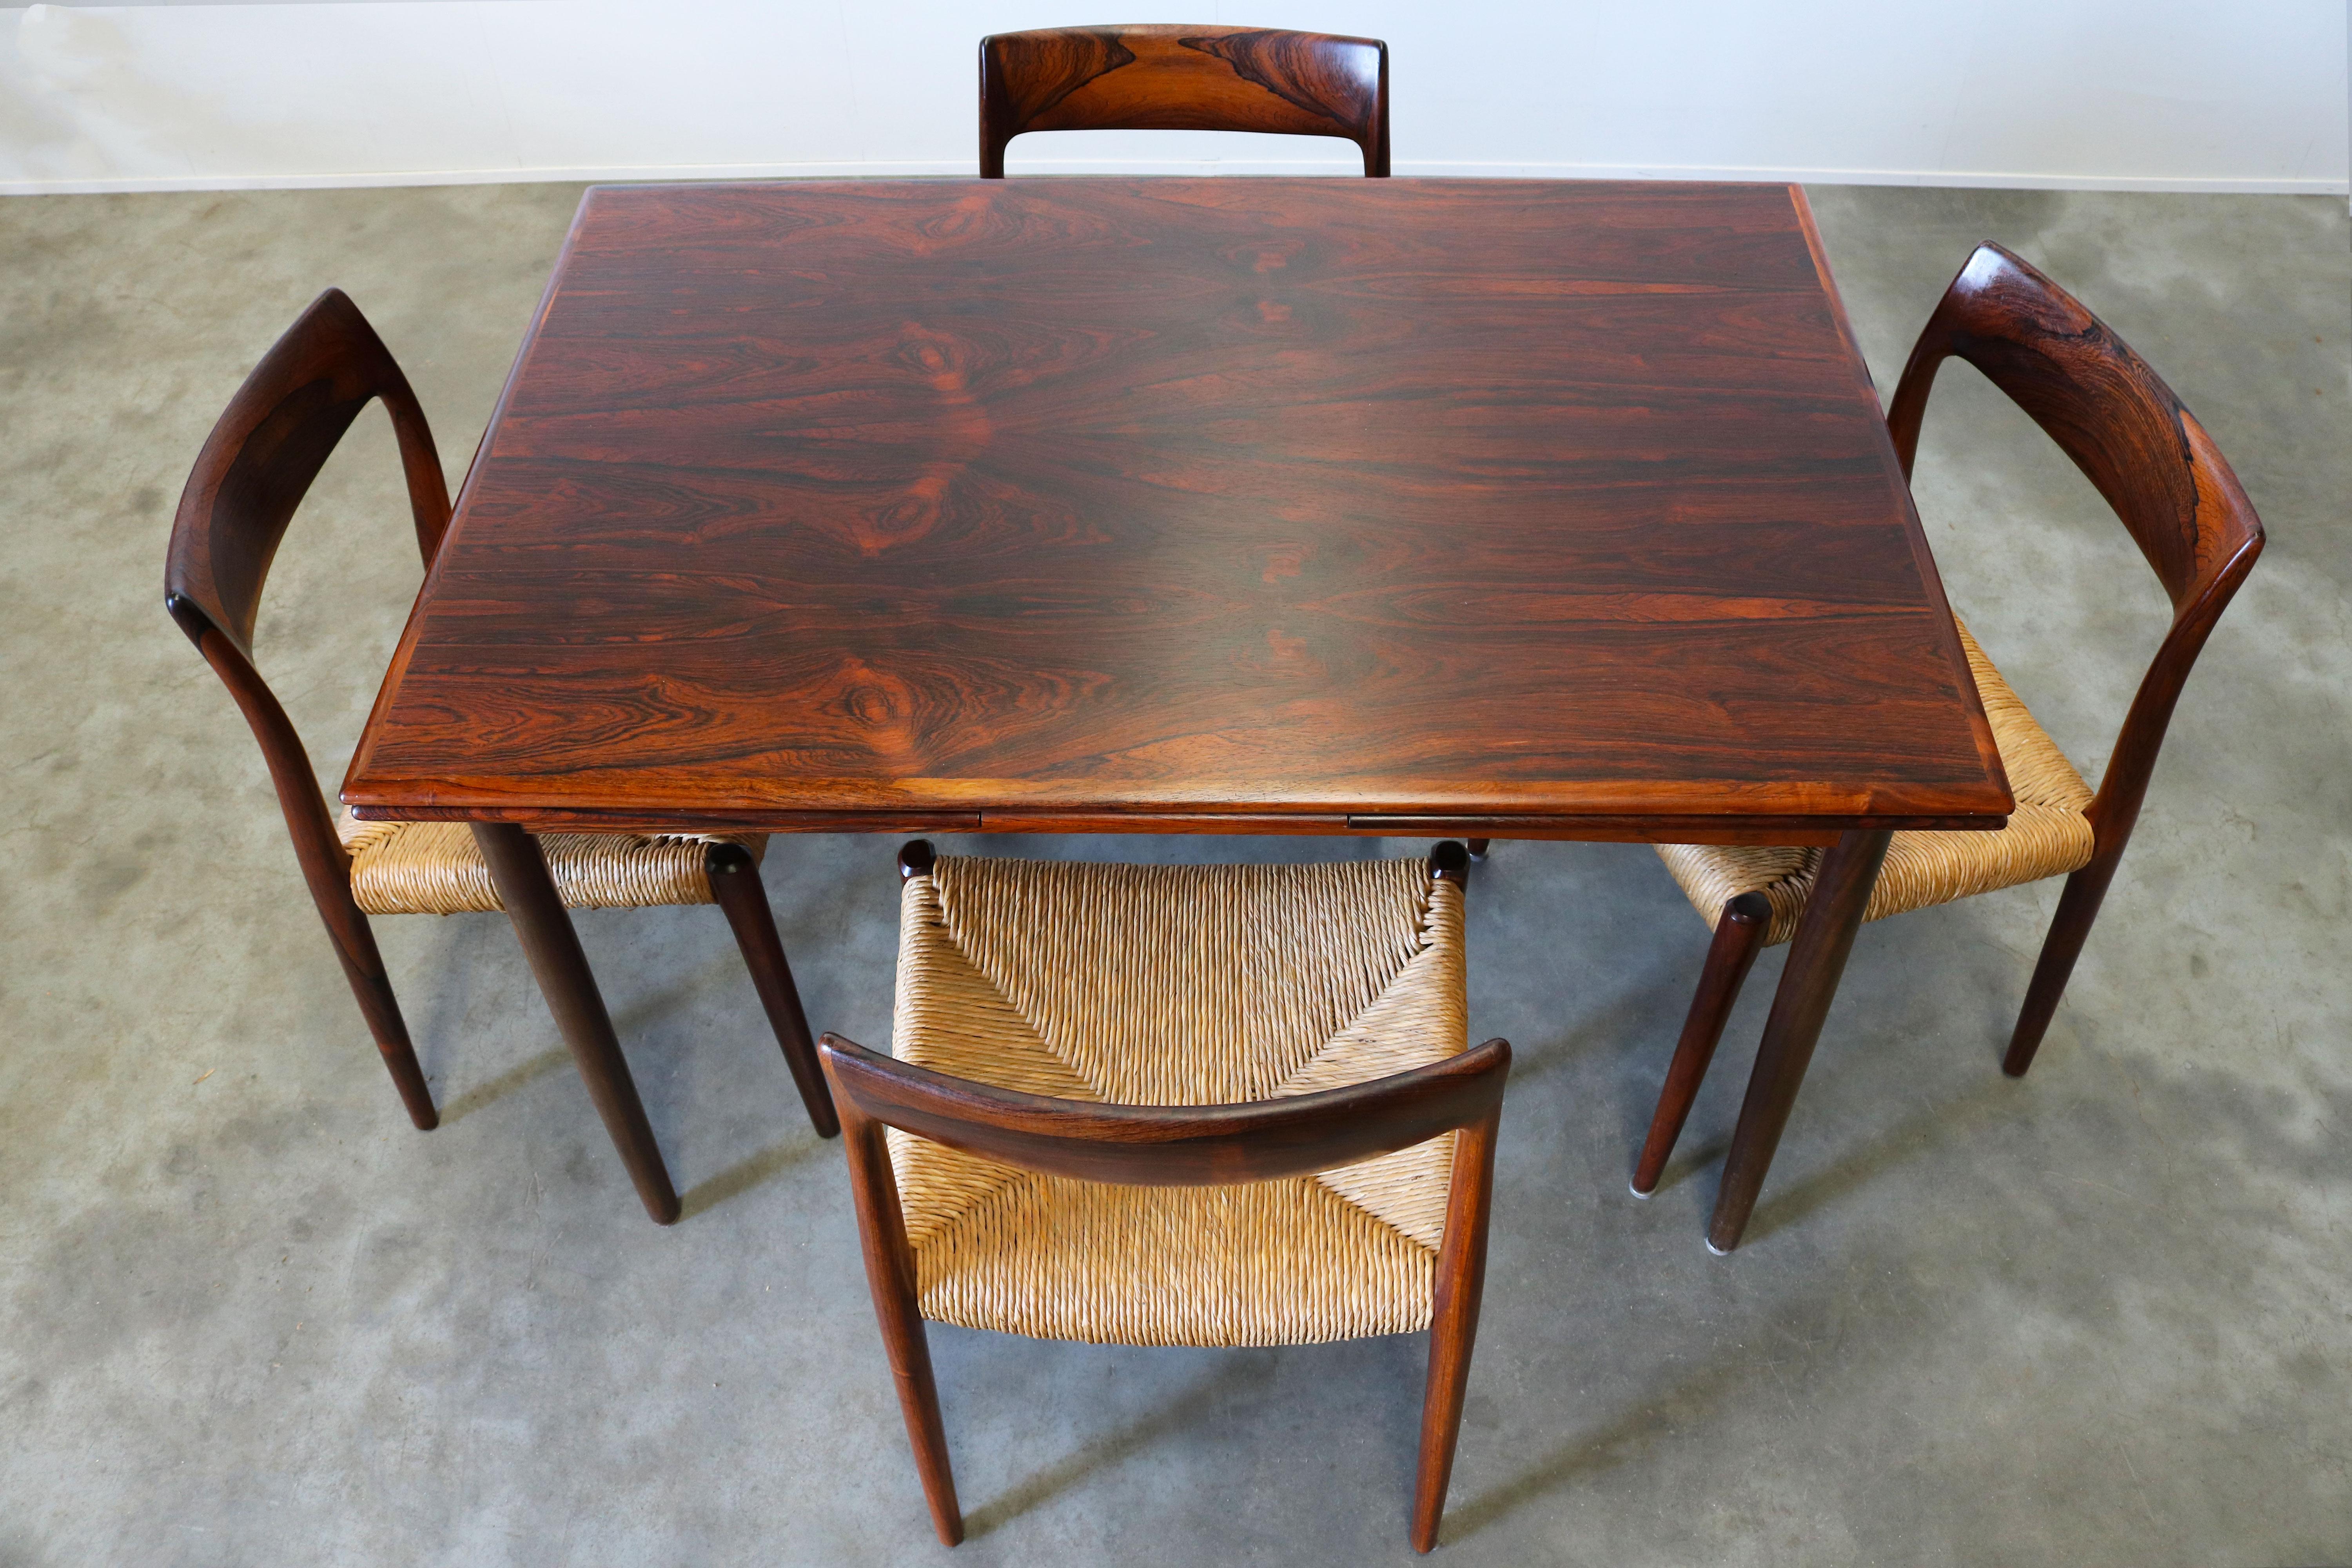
x=1221, y=1105
x=1174, y=77
x=2174, y=493
x=254, y=470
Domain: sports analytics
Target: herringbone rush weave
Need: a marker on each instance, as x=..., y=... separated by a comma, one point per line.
x=1177, y=985
x=434, y=868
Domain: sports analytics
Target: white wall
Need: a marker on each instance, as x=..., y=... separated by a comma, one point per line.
x=2241, y=95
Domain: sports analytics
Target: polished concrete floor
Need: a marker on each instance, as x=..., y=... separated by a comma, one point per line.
x=248, y=1316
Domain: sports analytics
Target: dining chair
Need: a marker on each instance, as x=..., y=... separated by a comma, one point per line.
x=2174, y=492
x=1176, y=78
x=1160, y=1105
x=252, y=474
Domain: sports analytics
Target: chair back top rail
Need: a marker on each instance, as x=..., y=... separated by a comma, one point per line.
x=2129, y=434
x=1177, y=78
x=266, y=449
x=2100, y=402
x=1171, y=1145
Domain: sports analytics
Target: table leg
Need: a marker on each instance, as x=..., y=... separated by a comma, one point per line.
x=1808, y=985
x=518, y=871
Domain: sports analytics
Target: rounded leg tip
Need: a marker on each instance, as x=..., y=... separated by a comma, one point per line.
x=2024, y=1044
x=1633, y=1185
x=1718, y=1251
x=823, y=1119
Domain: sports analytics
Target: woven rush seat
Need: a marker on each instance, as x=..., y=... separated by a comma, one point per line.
x=434, y=868
x=2047, y=836
x=1177, y=985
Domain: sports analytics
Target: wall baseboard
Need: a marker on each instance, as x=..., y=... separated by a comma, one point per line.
x=1989, y=179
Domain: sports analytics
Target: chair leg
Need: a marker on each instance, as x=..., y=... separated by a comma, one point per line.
x=1739, y=938
x=1477, y=849
x=2078, y=907
x=355, y=950
x=1454, y=1320
x=736, y=887
x=890, y=1277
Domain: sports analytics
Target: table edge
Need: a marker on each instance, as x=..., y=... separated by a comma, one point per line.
x=1931, y=577
x=1632, y=827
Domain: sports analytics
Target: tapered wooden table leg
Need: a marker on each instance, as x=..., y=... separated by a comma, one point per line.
x=1808, y=985
x=518, y=871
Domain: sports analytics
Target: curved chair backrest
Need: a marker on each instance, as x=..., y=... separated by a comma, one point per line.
x=255, y=467
x=1173, y=77
x=266, y=449
x=1171, y=1146
x=2145, y=454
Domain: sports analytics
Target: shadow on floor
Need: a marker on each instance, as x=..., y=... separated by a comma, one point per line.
x=490, y=1091
x=1913, y=1136
x=1955, y=1117
x=1625, y=1438
x=744, y=1174
x=1186, y=1410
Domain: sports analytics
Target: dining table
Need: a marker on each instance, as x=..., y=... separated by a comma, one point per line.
x=1406, y=507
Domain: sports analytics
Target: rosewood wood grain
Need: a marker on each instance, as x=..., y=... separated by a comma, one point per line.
x=2169, y=486
x=1589, y=827
x=736, y=887
x=1148, y=502
x=266, y=449
x=890, y=1281
x=1188, y=1145
x=1657, y=828
x=255, y=467
x=1739, y=937
x=1817, y=956
x=1171, y=1146
x=1461, y=1286
x=1183, y=78
x=249, y=479
x=518, y=871
x=697, y=819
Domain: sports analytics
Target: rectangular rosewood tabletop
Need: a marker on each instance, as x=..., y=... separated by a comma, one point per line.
x=1527, y=508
